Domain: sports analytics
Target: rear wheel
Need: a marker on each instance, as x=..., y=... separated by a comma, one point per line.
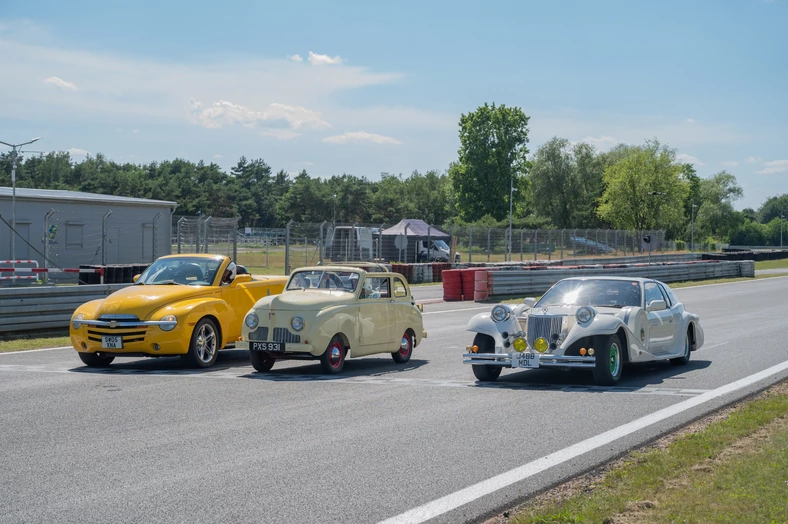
x=405, y=349
x=94, y=360
x=261, y=362
x=684, y=359
x=333, y=358
x=485, y=373
x=204, y=346
x=609, y=361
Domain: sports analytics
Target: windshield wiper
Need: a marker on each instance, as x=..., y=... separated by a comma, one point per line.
x=167, y=283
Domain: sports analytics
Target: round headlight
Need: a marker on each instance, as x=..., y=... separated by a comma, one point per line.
x=172, y=322
x=75, y=322
x=251, y=320
x=500, y=313
x=584, y=315
x=297, y=323
x=541, y=345
x=520, y=344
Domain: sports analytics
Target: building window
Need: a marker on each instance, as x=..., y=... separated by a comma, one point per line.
x=74, y=232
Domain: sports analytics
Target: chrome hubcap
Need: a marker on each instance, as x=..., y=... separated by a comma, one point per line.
x=335, y=356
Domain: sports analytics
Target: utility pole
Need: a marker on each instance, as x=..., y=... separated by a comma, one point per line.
x=511, y=198
x=15, y=156
x=692, y=226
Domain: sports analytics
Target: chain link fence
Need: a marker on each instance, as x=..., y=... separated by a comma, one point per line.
x=205, y=234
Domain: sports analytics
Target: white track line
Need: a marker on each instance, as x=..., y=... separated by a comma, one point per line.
x=464, y=496
x=34, y=350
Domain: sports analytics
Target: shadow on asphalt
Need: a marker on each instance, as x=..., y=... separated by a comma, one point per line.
x=635, y=376
x=230, y=359
x=361, y=367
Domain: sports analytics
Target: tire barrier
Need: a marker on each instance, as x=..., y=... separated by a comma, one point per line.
x=113, y=273
x=757, y=256
x=452, y=285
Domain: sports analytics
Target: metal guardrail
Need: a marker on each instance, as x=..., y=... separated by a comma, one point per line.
x=505, y=283
x=39, y=308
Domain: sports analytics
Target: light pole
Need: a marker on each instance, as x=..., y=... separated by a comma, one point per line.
x=511, y=198
x=692, y=227
x=781, y=229
x=335, y=211
x=15, y=155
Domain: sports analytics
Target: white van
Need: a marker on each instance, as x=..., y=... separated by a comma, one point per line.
x=343, y=244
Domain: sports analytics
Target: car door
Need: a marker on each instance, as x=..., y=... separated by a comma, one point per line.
x=374, y=322
x=401, y=311
x=661, y=324
x=675, y=317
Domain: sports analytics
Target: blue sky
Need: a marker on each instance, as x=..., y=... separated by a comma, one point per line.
x=371, y=87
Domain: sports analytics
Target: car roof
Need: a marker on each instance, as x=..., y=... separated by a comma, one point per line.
x=195, y=255
x=642, y=280
x=349, y=269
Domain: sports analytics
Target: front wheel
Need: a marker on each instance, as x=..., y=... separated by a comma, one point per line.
x=684, y=359
x=609, y=361
x=261, y=362
x=484, y=373
x=405, y=349
x=94, y=360
x=204, y=346
x=333, y=358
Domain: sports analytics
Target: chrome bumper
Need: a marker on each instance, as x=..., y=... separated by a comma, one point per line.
x=545, y=360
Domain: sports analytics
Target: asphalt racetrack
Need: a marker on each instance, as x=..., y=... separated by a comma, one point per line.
x=150, y=441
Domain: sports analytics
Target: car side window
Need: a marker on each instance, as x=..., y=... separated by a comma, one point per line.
x=376, y=287
x=400, y=291
x=652, y=293
x=665, y=296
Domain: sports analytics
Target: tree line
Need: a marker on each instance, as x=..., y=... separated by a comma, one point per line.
x=562, y=185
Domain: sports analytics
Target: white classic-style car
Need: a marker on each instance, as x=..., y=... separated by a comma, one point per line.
x=333, y=312
x=594, y=323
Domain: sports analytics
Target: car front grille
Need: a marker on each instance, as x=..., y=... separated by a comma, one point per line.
x=128, y=335
x=260, y=334
x=283, y=335
x=544, y=326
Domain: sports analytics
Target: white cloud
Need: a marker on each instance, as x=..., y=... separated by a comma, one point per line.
x=280, y=116
x=601, y=143
x=295, y=58
x=135, y=131
x=280, y=134
x=316, y=59
x=360, y=136
x=754, y=160
x=59, y=82
x=730, y=163
x=775, y=166
x=689, y=159
x=217, y=155
x=75, y=151
x=690, y=121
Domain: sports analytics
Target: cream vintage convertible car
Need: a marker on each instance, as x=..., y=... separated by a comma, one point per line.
x=594, y=323
x=330, y=313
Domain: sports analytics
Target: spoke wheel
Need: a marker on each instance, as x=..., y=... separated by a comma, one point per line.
x=333, y=358
x=405, y=349
x=609, y=361
x=684, y=359
x=204, y=347
x=94, y=360
x=484, y=373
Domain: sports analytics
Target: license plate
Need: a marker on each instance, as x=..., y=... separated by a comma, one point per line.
x=525, y=360
x=267, y=346
x=112, y=342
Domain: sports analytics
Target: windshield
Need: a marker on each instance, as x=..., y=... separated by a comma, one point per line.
x=440, y=244
x=189, y=271
x=600, y=293
x=320, y=279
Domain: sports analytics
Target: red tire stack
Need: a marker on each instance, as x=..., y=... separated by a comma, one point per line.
x=469, y=282
x=452, y=284
x=480, y=291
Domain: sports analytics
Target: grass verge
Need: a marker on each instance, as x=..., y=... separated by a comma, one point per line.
x=34, y=342
x=772, y=264
x=731, y=467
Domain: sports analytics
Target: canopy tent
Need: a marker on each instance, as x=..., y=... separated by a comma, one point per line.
x=415, y=231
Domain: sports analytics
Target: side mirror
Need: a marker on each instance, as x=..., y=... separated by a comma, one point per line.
x=529, y=301
x=656, y=305
x=135, y=278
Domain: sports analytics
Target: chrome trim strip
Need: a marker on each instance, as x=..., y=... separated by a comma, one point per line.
x=124, y=324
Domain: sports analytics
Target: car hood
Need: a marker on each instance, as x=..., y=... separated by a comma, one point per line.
x=306, y=300
x=570, y=311
x=142, y=300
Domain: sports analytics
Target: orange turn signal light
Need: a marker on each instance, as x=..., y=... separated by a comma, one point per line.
x=475, y=349
x=583, y=351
